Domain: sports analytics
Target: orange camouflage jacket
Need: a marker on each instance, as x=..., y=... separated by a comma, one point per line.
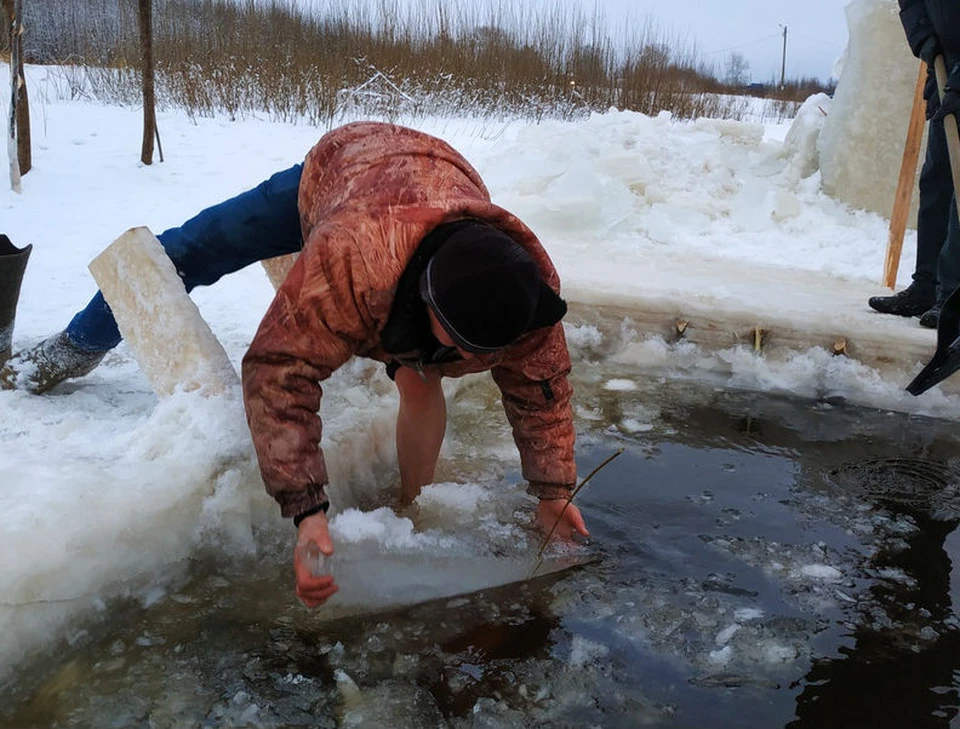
x=369, y=193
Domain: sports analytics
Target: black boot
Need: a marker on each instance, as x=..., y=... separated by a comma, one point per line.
x=13, y=263
x=931, y=317
x=912, y=301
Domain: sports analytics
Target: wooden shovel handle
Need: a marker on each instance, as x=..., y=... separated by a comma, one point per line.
x=949, y=128
x=908, y=173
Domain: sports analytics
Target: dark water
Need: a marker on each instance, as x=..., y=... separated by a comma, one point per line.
x=762, y=562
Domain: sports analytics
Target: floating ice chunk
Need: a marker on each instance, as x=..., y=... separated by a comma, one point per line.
x=631, y=425
x=619, y=385
x=381, y=526
x=582, y=336
x=821, y=572
x=895, y=574
x=352, y=697
x=777, y=653
x=294, y=679
x=583, y=651
x=722, y=656
x=465, y=498
x=724, y=636
x=745, y=614
x=841, y=595
x=590, y=414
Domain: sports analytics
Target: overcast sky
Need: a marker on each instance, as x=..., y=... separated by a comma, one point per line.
x=816, y=30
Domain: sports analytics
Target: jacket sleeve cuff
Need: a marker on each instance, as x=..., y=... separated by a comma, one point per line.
x=550, y=490
x=309, y=498
x=916, y=26
x=310, y=512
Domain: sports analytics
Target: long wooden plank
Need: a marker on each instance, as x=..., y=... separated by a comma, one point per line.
x=906, y=183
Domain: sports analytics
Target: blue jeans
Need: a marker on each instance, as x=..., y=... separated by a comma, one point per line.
x=261, y=223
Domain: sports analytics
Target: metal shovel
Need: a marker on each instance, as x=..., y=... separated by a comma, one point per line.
x=946, y=360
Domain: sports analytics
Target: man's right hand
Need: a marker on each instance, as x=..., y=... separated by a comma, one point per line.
x=313, y=590
x=929, y=50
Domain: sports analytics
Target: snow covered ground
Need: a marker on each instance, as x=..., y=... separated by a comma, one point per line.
x=104, y=489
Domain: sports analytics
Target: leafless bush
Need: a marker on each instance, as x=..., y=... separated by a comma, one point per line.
x=454, y=57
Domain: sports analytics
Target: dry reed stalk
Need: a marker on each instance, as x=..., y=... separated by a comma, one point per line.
x=573, y=495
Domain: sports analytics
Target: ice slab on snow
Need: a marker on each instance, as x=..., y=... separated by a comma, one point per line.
x=278, y=268
x=162, y=326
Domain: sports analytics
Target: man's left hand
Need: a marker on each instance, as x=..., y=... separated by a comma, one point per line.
x=569, y=520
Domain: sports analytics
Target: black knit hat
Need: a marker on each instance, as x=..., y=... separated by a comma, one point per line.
x=485, y=289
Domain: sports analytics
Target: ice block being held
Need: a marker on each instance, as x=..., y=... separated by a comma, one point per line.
x=319, y=564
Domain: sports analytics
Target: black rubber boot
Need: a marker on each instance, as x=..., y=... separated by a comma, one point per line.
x=931, y=317
x=13, y=263
x=912, y=301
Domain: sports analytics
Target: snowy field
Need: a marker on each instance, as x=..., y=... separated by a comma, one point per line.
x=107, y=491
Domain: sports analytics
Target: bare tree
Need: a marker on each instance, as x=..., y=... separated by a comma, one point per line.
x=736, y=71
x=145, y=17
x=19, y=128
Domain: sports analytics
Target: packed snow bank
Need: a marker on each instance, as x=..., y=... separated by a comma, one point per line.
x=630, y=190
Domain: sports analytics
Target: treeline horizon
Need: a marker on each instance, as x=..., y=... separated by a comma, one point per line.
x=269, y=56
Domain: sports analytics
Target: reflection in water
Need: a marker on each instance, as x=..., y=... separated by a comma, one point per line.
x=906, y=647
x=479, y=661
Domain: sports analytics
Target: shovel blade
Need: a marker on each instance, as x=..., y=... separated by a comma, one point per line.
x=946, y=360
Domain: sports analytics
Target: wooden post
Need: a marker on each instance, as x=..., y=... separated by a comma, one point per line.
x=908, y=173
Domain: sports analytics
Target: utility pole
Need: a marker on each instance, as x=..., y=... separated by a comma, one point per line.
x=783, y=64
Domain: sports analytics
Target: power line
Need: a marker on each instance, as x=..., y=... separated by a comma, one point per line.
x=744, y=45
x=814, y=39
